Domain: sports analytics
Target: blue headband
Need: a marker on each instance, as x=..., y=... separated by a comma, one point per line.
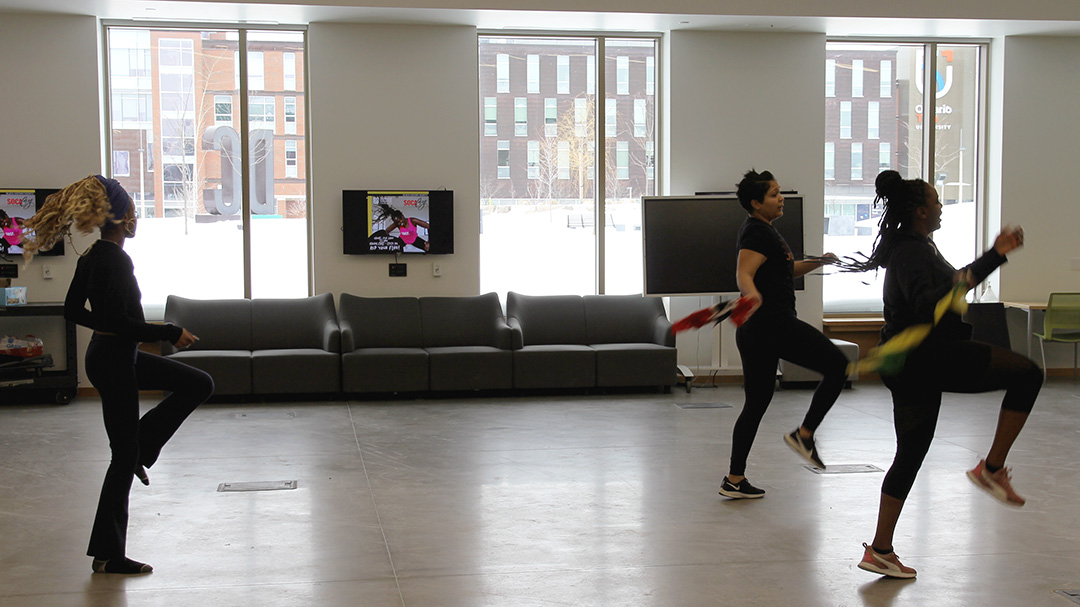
x=118, y=196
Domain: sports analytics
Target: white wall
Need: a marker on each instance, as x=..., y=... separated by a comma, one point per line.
x=394, y=107
x=1040, y=156
x=1039, y=162
x=50, y=134
x=739, y=101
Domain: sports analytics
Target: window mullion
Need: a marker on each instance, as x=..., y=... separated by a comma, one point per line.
x=929, y=112
x=600, y=161
x=245, y=161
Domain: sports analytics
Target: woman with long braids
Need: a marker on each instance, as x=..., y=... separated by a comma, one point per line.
x=916, y=278
x=406, y=227
x=765, y=273
x=115, y=366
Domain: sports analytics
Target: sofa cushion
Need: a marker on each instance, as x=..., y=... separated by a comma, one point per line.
x=384, y=370
x=626, y=319
x=231, y=369
x=220, y=324
x=381, y=322
x=470, y=368
x=308, y=322
x=547, y=319
x=464, y=321
x=635, y=364
x=295, y=370
x=555, y=366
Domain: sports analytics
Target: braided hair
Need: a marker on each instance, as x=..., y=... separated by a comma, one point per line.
x=383, y=211
x=900, y=198
x=84, y=204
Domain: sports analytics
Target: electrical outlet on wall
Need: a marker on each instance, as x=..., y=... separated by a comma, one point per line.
x=46, y=271
x=436, y=269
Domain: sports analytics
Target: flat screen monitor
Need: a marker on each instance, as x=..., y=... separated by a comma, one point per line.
x=689, y=242
x=391, y=222
x=17, y=205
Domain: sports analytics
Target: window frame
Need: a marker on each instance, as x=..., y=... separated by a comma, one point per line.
x=288, y=70
x=292, y=165
x=873, y=120
x=885, y=90
x=521, y=117
x=219, y=117
x=597, y=87
x=155, y=311
x=288, y=103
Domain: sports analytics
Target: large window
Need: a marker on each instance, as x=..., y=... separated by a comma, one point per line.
x=521, y=117
x=885, y=82
x=543, y=229
x=175, y=95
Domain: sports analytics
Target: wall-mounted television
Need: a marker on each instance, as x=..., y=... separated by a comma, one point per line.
x=397, y=221
x=16, y=205
x=688, y=242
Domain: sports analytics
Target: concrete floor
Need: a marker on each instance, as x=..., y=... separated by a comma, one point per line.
x=547, y=500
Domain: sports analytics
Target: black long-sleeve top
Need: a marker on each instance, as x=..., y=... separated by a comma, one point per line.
x=917, y=277
x=105, y=277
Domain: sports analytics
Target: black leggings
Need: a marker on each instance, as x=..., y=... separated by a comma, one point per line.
x=762, y=342
x=968, y=367
x=118, y=369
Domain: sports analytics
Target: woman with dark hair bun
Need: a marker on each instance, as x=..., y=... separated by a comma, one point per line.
x=916, y=278
x=766, y=273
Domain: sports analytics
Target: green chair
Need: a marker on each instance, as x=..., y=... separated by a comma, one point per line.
x=1061, y=324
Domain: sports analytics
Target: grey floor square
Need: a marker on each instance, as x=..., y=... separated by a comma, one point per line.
x=598, y=500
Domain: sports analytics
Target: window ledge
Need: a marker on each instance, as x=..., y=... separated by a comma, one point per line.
x=853, y=322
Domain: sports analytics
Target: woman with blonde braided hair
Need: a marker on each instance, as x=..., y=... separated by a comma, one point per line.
x=917, y=277
x=105, y=276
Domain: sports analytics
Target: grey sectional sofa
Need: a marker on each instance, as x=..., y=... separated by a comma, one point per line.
x=409, y=344
x=425, y=344
x=568, y=341
x=261, y=346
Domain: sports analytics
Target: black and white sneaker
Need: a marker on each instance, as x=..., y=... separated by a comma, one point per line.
x=741, y=490
x=804, y=447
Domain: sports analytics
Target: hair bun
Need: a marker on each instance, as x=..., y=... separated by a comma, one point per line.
x=887, y=182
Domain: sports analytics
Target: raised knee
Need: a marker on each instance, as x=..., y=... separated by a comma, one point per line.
x=838, y=367
x=206, y=387
x=1034, y=375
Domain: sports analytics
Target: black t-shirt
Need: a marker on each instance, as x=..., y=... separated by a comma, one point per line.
x=775, y=279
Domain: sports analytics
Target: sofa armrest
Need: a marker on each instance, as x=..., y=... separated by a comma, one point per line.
x=662, y=334
x=516, y=338
x=331, y=336
x=348, y=340
x=504, y=335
